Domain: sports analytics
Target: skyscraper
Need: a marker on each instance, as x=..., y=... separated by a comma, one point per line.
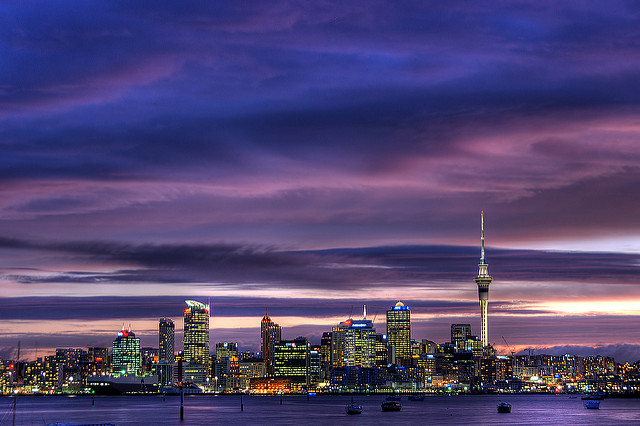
x=354, y=344
x=196, y=341
x=126, y=353
x=166, y=338
x=270, y=334
x=399, y=333
x=166, y=351
x=483, y=280
x=291, y=360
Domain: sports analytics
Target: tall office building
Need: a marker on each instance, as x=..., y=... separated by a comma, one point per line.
x=325, y=352
x=353, y=343
x=166, y=339
x=196, y=341
x=399, y=333
x=483, y=280
x=270, y=334
x=460, y=333
x=166, y=351
x=291, y=361
x=125, y=358
x=226, y=364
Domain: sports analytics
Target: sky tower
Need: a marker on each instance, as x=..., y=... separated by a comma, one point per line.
x=483, y=280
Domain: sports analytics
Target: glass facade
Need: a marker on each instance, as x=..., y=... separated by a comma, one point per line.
x=291, y=361
x=126, y=353
x=399, y=332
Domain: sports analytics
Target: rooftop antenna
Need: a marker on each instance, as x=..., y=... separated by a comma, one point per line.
x=365, y=312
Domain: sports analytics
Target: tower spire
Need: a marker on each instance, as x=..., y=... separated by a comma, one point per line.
x=482, y=236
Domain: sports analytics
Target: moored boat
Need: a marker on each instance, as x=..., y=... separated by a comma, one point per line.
x=592, y=404
x=391, y=406
x=354, y=408
x=503, y=407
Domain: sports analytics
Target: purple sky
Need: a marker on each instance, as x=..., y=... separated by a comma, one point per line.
x=310, y=158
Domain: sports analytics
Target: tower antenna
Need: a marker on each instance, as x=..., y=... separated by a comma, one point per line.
x=482, y=236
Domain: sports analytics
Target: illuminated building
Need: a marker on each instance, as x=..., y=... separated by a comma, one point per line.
x=315, y=370
x=382, y=350
x=252, y=368
x=126, y=358
x=166, y=340
x=337, y=346
x=399, y=334
x=166, y=351
x=270, y=333
x=226, y=364
x=483, y=280
x=196, y=341
x=270, y=385
x=460, y=333
x=291, y=361
x=325, y=353
x=354, y=343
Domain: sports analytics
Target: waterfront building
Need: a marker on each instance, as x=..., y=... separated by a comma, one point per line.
x=226, y=364
x=399, y=334
x=270, y=334
x=252, y=368
x=166, y=341
x=166, y=351
x=291, y=361
x=98, y=359
x=315, y=370
x=483, y=280
x=196, y=341
x=125, y=358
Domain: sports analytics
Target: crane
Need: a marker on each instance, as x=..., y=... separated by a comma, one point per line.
x=512, y=349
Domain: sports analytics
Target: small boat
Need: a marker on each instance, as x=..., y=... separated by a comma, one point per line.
x=394, y=397
x=391, y=406
x=592, y=404
x=503, y=407
x=354, y=408
x=416, y=398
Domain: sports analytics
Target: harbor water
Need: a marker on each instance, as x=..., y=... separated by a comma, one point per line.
x=297, y=410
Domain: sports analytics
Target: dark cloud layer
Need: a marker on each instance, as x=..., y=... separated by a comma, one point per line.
x=323, y=269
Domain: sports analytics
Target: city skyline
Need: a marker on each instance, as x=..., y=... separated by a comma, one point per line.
x=309, y=159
